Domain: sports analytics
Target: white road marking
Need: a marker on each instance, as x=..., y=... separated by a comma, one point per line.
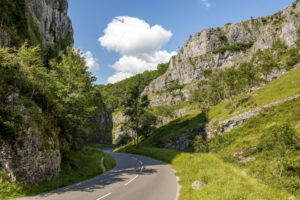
x=78, y=184
x=142, y=168
x=130, y=180
x=134, y=158
x=104, y=196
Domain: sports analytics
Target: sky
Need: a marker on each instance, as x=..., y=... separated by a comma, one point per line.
x=120, y=38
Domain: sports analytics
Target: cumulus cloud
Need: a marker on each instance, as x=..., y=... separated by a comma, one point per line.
x=131, y=36
x=206, y=3
x=118, y=76
x=138, y=64
x=138, y=43
x=91, y=62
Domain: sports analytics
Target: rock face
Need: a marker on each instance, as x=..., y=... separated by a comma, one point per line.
x=53, y=23
x=102, y=134
x=212, y=48
x=44, y=22
x=33, y=156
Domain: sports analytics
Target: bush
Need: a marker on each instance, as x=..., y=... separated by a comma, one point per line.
x=200, y=144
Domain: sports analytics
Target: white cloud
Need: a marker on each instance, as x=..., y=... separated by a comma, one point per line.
x=118, y=76
x=132, y=36
x=206, y=3
x=91, y=62
x=139, y=64
x=138, y=43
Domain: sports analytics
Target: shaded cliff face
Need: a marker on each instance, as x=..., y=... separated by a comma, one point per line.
x=34, y=155
x=44, y=22
x=103, y=125
x=228, y=46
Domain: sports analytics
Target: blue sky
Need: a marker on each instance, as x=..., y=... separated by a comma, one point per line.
x=177, y=20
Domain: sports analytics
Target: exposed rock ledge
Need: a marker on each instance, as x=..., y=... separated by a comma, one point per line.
x=227, y=125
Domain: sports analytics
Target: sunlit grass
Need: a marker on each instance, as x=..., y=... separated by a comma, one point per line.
x=222, y=181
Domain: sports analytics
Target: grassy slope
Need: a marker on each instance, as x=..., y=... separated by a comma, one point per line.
x=285, y=86
x=76, y=166
x=220, y=169
x=251, y=140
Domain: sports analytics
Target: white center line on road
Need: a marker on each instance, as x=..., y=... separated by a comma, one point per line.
x=131, y=180
x=104, y=196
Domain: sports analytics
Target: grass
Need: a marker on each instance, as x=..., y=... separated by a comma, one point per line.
x=223, y=180
x=252, y=139
x=275, y=172
x=285, y=86
x=76, y=166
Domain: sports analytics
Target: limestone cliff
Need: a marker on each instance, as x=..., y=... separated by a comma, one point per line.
x=224, y=47
x=103, y=125
x=43, y=22
x=34, y=155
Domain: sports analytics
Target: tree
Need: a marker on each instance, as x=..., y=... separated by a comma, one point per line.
x=135, y=109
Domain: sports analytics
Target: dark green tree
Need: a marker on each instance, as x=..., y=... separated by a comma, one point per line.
x=135, y=110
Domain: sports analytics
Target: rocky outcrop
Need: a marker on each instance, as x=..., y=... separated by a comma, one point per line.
x=220, y=127
x=228, y=46
x=118, y=120
x=102, y=133
x=33, y=156
x=54, y=25
x=43, y=22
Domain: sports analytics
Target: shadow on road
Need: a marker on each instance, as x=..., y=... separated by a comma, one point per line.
x=126, y=167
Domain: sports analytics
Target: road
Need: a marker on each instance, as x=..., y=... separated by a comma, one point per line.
x=134, y=178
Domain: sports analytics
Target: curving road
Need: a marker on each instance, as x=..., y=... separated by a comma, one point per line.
x=134, y=178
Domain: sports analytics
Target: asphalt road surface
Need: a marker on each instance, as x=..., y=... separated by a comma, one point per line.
x=134, y=178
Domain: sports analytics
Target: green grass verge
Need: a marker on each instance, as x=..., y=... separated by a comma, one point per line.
x=223, y=180
x=76, y=166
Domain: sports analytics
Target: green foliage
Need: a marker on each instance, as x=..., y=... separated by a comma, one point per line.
x=14, y=20
x=114, y=94
x=161, y=136
x=125, y=139
x=234, y=47
x=221, y=36
x=76, y=166
x=64, y=91
x=174, y=86
x=200, y=144
x=140, y=121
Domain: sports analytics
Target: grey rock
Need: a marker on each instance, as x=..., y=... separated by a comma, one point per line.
x=221, y=127
x=54, y=25
x=103, y=125
x=197, y=54
x=32, y=157
x=197, y=185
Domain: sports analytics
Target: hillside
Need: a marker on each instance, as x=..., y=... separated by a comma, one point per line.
x=265, y=149
x=232, y=124
x=213, y=61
